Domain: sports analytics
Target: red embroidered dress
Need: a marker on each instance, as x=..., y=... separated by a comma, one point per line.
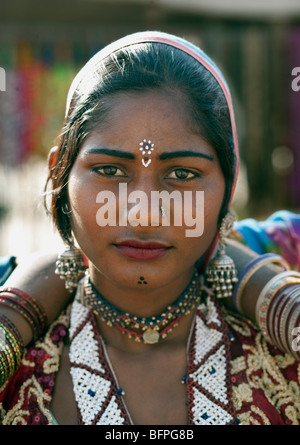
x=233, y=376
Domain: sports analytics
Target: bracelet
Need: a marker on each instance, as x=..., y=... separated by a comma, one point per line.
x=7, y=361
x=289, y=329
x=11, y=356
x=295, y=350
x=250, y=269
x=278, y=310
x=279, y=318
x=18, y=306
x=27, y=306
x=274, y=314
x=266, y=297
x=32, y=301
x=11, y=349
x=283, y=325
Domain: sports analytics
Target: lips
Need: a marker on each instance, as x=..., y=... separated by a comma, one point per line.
x=142, y=250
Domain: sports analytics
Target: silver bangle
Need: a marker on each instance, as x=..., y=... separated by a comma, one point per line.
x=266, y=295
x=292, y=298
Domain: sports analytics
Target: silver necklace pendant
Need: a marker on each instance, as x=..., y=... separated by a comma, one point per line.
x=151, y=336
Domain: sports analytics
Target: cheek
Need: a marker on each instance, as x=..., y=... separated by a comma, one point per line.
x=212, y=207
x=82, y=202
x=213, y=199
x=214, y=193
x=197, y=236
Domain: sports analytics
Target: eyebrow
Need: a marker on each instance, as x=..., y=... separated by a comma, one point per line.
x=162, y=156
x=110, y=152
x=185, y=154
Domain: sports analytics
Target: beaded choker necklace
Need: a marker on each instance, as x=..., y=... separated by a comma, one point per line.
x=147, y=329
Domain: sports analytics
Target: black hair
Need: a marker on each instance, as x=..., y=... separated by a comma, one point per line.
x=139, y=68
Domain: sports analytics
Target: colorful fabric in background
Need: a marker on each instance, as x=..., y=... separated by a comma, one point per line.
x=280, y=233
x=38, y=76
x=7, y=265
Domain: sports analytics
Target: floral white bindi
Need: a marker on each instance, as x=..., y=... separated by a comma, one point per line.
x=146, y=147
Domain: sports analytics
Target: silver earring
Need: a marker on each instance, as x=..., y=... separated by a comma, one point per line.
x=221, y=271
x=70, y=266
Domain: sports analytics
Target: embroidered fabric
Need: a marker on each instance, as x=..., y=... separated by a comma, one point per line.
x=234, y=373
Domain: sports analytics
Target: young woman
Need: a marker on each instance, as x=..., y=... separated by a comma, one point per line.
x=146, y=341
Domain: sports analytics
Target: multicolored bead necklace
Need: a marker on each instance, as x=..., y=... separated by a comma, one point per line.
x=147, y=329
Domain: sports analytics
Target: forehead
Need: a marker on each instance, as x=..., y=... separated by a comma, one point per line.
x=156, y=115
x=147, y=107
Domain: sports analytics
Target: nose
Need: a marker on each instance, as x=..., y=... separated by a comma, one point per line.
x=140, y=206
x=139, y=210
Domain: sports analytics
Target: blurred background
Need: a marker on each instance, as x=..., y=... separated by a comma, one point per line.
x=43, y=43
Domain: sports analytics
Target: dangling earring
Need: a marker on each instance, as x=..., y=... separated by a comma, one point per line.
x=221, y=271
x=70, y=266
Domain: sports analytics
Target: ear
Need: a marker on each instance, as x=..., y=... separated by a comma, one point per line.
x=52, y=157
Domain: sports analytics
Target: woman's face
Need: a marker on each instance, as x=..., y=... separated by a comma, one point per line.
x=112, y=181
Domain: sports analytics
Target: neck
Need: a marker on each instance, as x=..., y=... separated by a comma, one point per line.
x=148, y=301
x=125, y=328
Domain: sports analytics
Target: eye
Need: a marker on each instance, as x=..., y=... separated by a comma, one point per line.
x=183, y=174
x=109, y=170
